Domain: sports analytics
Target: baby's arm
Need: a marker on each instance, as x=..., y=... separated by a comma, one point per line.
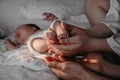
x=49, y=16
x=10, y=45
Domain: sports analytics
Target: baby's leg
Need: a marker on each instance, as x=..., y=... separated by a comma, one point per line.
x=10, y=45
x=52, y=37
x=96, y=10
x=59, y=29
x=39, y=45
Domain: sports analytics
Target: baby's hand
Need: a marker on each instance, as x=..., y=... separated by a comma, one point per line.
x=9, y=44
x=7, y=41
x=49, y=16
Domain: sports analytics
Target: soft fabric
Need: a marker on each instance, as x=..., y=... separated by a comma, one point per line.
x=10, y=14
x=22, y=73
x=112, y=20
x=21, y=57
x=2, y=45
x=63, y=9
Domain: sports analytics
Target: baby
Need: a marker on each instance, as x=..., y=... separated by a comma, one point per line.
x=22, y=33
x=34, y=37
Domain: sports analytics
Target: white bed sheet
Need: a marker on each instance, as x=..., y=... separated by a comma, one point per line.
x=19, y=65
x=22, y=73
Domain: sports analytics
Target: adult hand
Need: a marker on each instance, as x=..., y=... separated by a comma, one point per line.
x=77, y=43
x=67, y=70
x=93, y=61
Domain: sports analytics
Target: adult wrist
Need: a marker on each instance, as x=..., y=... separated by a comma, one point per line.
x=98, y=45
x=100, y=31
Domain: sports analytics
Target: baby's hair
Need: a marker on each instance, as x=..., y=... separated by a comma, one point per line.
x=32, y=25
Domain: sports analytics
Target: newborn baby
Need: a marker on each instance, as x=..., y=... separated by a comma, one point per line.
x=32, y=36
x=37, y=43
x=22, y=33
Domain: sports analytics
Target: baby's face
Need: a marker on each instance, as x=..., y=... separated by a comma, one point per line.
x=22, y=34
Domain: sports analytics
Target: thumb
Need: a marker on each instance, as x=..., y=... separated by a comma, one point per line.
x=53, y=63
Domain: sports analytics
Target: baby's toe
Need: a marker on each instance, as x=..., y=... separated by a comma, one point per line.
x=62, y=36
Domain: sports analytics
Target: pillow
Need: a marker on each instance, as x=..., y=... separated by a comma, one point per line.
x=63, y=9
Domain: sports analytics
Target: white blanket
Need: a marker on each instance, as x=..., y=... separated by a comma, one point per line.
x=19, y=65
x=22, y=73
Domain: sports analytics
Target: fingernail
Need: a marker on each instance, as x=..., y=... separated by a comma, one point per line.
x=50, y=59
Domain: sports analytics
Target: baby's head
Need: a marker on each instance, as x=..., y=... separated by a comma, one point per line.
x=23, y=32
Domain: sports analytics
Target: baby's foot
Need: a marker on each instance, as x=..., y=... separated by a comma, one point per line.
x=60, y=31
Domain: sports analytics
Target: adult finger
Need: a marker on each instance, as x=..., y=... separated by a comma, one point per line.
x=59, y=57
x=49, y=59
x=67, y=48
x=73, y=30
x=61, y=52
x=58, y=72
x=56, y=67
x=71, y=40
x=54, y=64
x=65, y=53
